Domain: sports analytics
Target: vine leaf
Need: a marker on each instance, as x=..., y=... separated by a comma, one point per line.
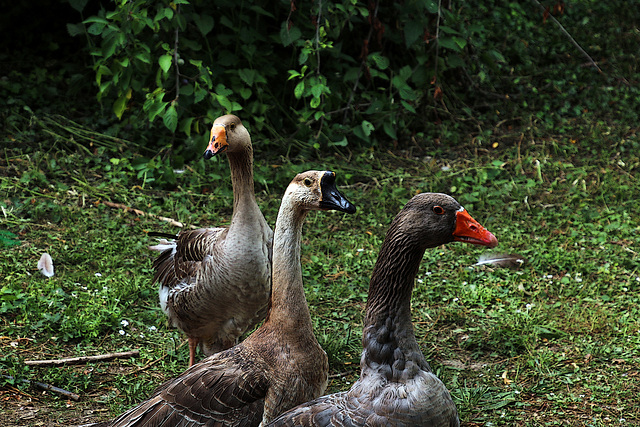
x=165, y=62
x=170, y=118
x=204, y=23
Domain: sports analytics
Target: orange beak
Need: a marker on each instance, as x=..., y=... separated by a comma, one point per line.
x=218, y=141
x=470, y=231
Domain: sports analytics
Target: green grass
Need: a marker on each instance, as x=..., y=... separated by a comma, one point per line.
x=556, y=342
x=541, y=150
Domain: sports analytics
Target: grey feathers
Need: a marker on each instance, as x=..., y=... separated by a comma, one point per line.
x=501, y=260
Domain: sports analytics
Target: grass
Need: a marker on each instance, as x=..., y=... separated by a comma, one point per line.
x=555, y=342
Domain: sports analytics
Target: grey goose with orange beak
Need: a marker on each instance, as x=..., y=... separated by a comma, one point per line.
x=397, y=386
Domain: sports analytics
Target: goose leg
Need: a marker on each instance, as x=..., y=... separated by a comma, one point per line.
x=193, y=345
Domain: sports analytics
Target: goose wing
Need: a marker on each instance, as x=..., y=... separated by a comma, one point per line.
x=181, y=259
x=227, y=388
x=388, y=408
x=330, y=410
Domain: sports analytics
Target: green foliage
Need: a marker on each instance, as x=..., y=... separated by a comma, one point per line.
x=347, y=74
x=363, y=70
x=8, y=239
x=336, y=75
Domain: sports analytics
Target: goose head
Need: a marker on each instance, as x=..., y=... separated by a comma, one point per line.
x=436, y=219
x=228, y=134
x=316, y=190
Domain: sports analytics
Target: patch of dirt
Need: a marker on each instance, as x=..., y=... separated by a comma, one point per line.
x=40, y=408
x=30, y=406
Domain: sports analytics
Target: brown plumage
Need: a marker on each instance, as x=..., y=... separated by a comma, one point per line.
x=397, y=386
x=215, y=282
x=278, y=366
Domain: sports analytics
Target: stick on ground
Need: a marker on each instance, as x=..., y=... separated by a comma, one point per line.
x=48, y=387
x=142, y=213
x=81, y=360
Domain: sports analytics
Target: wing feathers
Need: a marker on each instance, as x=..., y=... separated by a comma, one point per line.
x=180, y=259
x=221, y=388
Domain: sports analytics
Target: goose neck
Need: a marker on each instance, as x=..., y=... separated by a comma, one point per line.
x=388, y=340
x=393, y=278
x=288, y=303
x=241, y=165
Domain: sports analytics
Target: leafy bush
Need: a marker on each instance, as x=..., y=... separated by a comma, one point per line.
x=332, y=74
x=335, y=73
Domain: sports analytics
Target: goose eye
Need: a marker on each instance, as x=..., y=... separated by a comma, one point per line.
x=438, y=210
x=307, y=182
x=232, y=126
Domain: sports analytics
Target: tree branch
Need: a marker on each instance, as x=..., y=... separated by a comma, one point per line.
x=362, y=65
x=176, y=57
x=435, y=71
x=317, y=40
x=566, y=33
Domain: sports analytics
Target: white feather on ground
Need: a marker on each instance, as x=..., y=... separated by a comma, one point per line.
x=501, y=260
x=45, y=265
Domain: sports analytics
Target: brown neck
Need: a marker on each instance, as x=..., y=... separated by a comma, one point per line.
x=288, y=304
x=241, y=165
x=246, y=211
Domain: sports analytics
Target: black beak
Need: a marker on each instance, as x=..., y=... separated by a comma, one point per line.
x=208, y=154
x=331, y=197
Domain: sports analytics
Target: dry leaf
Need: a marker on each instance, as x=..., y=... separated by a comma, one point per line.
x=505, y=379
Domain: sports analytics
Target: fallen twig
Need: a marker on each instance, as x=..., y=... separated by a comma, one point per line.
x=82, y=359
x=47, y=387
x=142, y=213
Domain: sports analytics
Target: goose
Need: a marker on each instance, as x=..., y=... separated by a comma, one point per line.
x=396, y=385
x=280, y=364
x=215, y=283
